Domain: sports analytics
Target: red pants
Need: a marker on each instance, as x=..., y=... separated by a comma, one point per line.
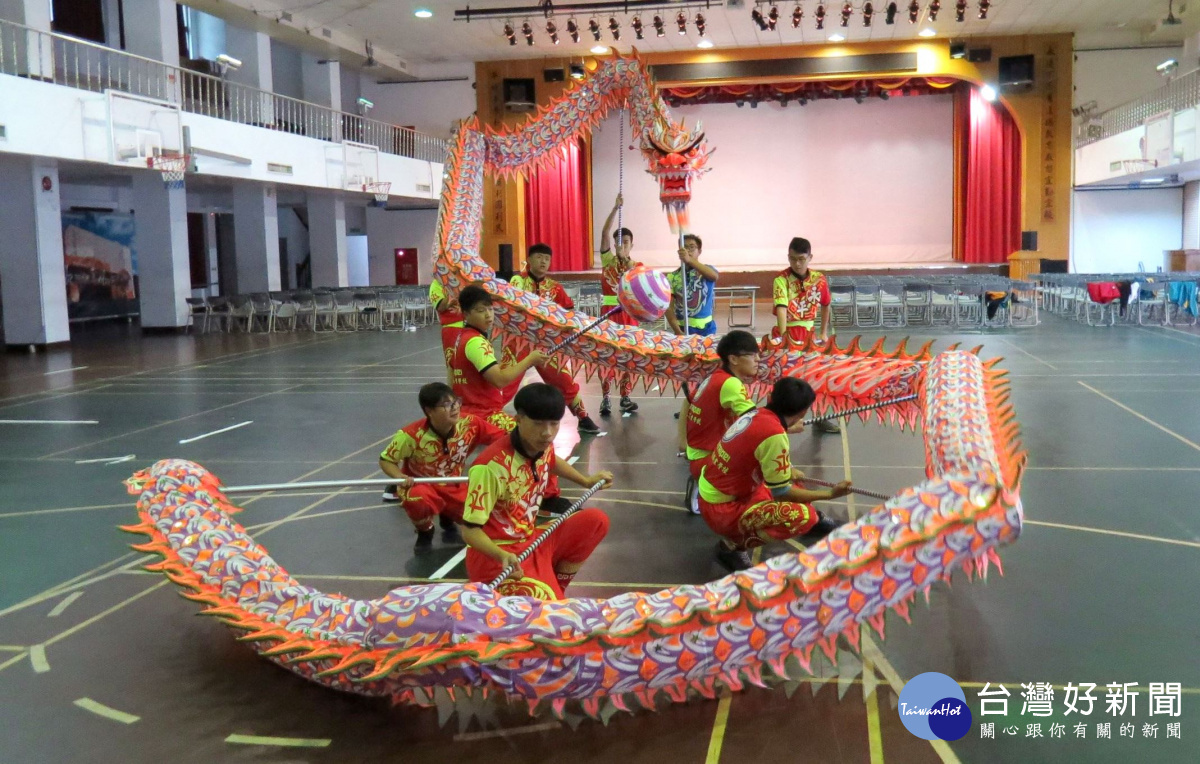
x=573, y=542
x=753, y=521
x=424, y=501
x=796, y=335
x=624, y=383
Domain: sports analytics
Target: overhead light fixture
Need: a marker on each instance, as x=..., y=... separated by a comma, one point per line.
x=681, y=22
x=599, y=50
x=1168, y=66
x=960, y=11
x=705, y=43
x=889, y=13
x=573, y=30
x=423, y=13
x=757, y=17
x=988, y=93
x=868, y=13
x=701, y=24
x=847, y=12
x=773, y=17
x=614, y=27
x=927, y=32
x=510, y=34
x=552, y=30
x=594, y=28
x=527, y=30
x=797, y=16
x=958, y=50
x=820, y=16
x=984, y=5
x=577, y=71
x=934, y=7
x=835, y=37
x=658, y=27
x=364, y=106
x=914, y=12
x=228, y=63
x=638, y=29
x=1152, y=181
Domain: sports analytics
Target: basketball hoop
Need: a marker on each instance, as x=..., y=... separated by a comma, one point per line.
x=172, y=166
x=380, y=190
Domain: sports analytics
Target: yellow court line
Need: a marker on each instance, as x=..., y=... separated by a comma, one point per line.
x=1123, y=534
x=288, y=742
x=1143, y=417
x=717, y=739
x=13, y=648
x=87, y=704
x=851, y=508
x=872, y=651
x=874, y=734
x=37, y=656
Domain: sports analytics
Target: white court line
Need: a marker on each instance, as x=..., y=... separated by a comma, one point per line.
x=108, y=459
x=64, y=604
x=63, y=371
x=37, y=656
x=49, y=421
x=449, y=566
x=216, y=432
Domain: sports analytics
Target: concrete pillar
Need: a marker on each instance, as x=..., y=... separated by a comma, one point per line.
x=256, y=237
x=31, y=51
x=322, y=83
x=253, y=49
x=327, y=240
x=33, y=275
x=381, y=246
x=152, y=30
x=161, y=243
x=210, y=254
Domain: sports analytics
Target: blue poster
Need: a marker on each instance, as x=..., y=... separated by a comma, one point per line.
x=100, y=263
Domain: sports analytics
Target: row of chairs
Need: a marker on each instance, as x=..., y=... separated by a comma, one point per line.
x=317, y=310
x=961, y=301
x=1105, y=299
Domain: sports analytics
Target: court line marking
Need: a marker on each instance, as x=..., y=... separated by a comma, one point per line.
x=874, y=733
x=1107, y=532
x=720, y=722
x=58, y=510
x=13, y=648
x=1142, y=417
x=216, y=432
x=49, y=421
x=1019, y=349
x=466, y=737
x=108, y=460
x=37, y=657
x=64, y=371
x=892, y=676
x=87, y=704
x=288, y=742
x=66, y=603
x=458, y=557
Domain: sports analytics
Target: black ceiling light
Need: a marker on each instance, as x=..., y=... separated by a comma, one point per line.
x=773, y=17
x=573, y=30
x=658, y=26
x=960, y=11
x=757, y=17
x=934, y=7
x=701, y=24
x=552, y=30
x=614, y=27
x=510, y=34
x=914, y=12
x=847, y=11
x=527, y=30
x=681, y=22
x=797, y=16
x=820, y=16
x=889, y=13
x=983, y=8
x=594, y=28
x=638, y=30
x=868, y=13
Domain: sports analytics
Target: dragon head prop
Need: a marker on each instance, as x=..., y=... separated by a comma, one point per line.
x=676, y=155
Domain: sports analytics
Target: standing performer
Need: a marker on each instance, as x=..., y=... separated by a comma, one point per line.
x=506, y=486
x=436, y=446
x=557, y=371
x=798, y=294
x=700, y=291
x=718, y=402
x=615, y=264
x=747, y=495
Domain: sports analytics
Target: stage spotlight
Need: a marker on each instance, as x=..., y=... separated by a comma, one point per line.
x=552, y=31
x=510, y=34
x=757, y=16
x=740, y=103
x=983, y=8
x=847, y=11
x=638, y=30
x=527, y=30
x=820, y=16
x=658, y=27
x=577, y=71
x=594, y=28
x=753, y=103
x=988, y=92
x=573, y=30
x=960, y=11
x=868, y=13
x=889, y=14
x=773, y=17
x=884, y=95
x=681, y=22
x=914, y=12
x=701, y=23
x=934, y=7
x=783, y=102
x=797, y=16
x=614, y=27
x=803, y=100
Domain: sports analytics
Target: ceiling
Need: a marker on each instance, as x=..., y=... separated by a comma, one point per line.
x=391, y=25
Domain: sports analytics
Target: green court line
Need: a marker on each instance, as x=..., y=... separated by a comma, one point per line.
x=100, y=709
x=291, y=742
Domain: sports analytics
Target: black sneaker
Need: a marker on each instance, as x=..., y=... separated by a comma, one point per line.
x=587, y=425
x=691, y=496
x=825, y=525
x=827, y=426
x=555, y=505
x=605, y=406
x=424, y=541
x=627, y=406
x=733, y=559
x=391, y=493
x=450, y=534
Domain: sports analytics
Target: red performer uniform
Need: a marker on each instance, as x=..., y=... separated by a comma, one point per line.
x=610, y=284
x=736, y=481
x=470, y=356
x=419, y=451
x=801, y=298
x=449, y=316
x=556, y=372
x=505, y=490
x=714, y=406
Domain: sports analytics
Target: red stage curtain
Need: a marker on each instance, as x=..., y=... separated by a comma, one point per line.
x=992, y=225
x=556, y=209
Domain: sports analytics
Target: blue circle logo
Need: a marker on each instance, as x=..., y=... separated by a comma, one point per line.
x=932, y=706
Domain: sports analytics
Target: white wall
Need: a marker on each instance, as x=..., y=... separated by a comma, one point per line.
x=867, y=183
x=357, y=270
x=388, y=231
x=1112, y=77
x=430, y=107
x=285, y=70
x=1112, y=231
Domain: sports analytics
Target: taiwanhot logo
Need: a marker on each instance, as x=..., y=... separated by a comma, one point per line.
x=933, y=706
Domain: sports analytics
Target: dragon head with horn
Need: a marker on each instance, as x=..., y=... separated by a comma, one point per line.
x=675, y=155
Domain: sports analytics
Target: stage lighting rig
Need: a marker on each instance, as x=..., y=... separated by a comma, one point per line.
x=594, y=28
x=510, y=34
x=820, y=16
x=638, y=29
x=614, y=27
x=934, y=7
x=573, y=30
x=960, y=11
x=681, y=22
x=527, y=30
x=868, y=13
x=847, y=12
x=757, y=17
x=701, y=24
x=983, y=8
x=797, y=16
x=889, y=14
x=773, y=17
x=552, y=30
x=658, y=27
x=914, y=12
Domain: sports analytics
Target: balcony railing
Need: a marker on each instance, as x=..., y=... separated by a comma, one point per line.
x=28, y=52
x=1177, y=95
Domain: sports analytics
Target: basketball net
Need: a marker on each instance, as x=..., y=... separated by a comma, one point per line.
x=172, y=166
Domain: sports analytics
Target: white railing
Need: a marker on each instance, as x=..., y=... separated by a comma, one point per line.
x=1178, y=94
x=28, y=52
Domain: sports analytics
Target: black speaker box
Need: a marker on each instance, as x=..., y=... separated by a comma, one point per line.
x=505, y=271
x=554, y=75
x=1029, y=241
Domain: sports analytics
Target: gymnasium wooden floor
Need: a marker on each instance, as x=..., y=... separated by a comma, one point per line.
x=102, y=662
